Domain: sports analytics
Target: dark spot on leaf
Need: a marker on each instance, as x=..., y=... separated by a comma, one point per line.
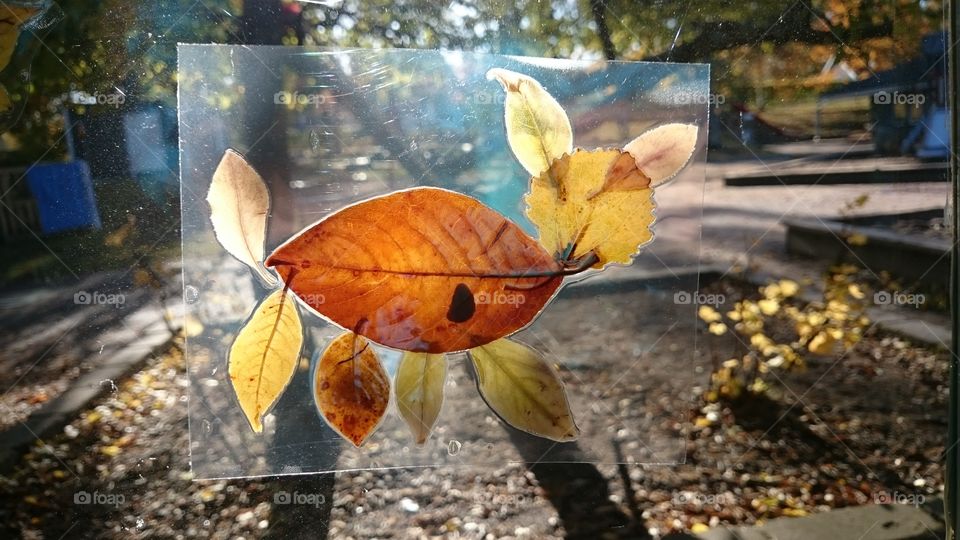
x=462, y=306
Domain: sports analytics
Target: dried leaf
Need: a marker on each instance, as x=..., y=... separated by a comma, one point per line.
x=264, y=356
x=239, y=204
x=423, y=270
x=351, y=388
x=419, y=383
x=662, y=152
x=538, y=129
x=523, y=389
x=576, y=216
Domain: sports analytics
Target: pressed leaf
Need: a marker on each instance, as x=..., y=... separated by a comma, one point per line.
x=523, y=389
x=419, y=383
x=576, y=216
x=239, y=204
x=423, y=270
x=662, y=152
x=351, y=388
x=538, y=129
x=264, y=356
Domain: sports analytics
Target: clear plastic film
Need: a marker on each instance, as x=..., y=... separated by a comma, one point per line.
x=326, y=130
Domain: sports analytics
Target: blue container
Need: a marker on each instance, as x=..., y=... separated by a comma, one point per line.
x=64, y=195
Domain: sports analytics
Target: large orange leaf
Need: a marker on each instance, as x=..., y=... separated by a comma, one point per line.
x=423, y=270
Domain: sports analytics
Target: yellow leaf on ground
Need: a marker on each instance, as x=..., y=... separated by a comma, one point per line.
x=264, y=356
x=351, y=389
x=576, y=216
x=822, y=344
x=708, y=314
x=523, y=389
x=419, y=383
x=239, y=204
x=538, y=129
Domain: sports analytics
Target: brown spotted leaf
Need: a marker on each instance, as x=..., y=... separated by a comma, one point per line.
x=351, y=389
x=422, y=270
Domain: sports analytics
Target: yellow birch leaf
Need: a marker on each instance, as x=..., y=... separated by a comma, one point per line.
x=523, y=389
x=538, y=129
x=821, y=344
x=351, y=388
x=663, y=151
x=264, y=356
x=419, y=386
x=239, y=204
x=576, y=216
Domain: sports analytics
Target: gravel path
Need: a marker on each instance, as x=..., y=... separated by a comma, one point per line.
x=869, y=426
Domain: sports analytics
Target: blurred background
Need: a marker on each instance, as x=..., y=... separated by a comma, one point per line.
x=816, y=292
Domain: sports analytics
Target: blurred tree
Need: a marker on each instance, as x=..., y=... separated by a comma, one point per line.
x=758, y=48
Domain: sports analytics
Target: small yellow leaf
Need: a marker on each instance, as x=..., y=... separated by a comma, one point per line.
x=857, y=239
x=717, y=328
x=699, y=528
x=419, y=383
x=821, y=343
x=239, y=204
x=662, y=152
x=576, y=217
x=538, y=129
x=708, y=314
x=768, y=307
x=110, y=450
x=264, y=355
x=351, y=388
x=523, y=389
x=788, y=287
x=855, y=291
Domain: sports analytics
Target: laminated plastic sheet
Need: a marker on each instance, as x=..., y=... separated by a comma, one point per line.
x=330, y=128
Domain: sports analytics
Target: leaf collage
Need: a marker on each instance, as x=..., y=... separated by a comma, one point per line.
x=430, y=272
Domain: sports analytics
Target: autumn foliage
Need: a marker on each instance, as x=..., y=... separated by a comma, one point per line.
x=423, y=271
